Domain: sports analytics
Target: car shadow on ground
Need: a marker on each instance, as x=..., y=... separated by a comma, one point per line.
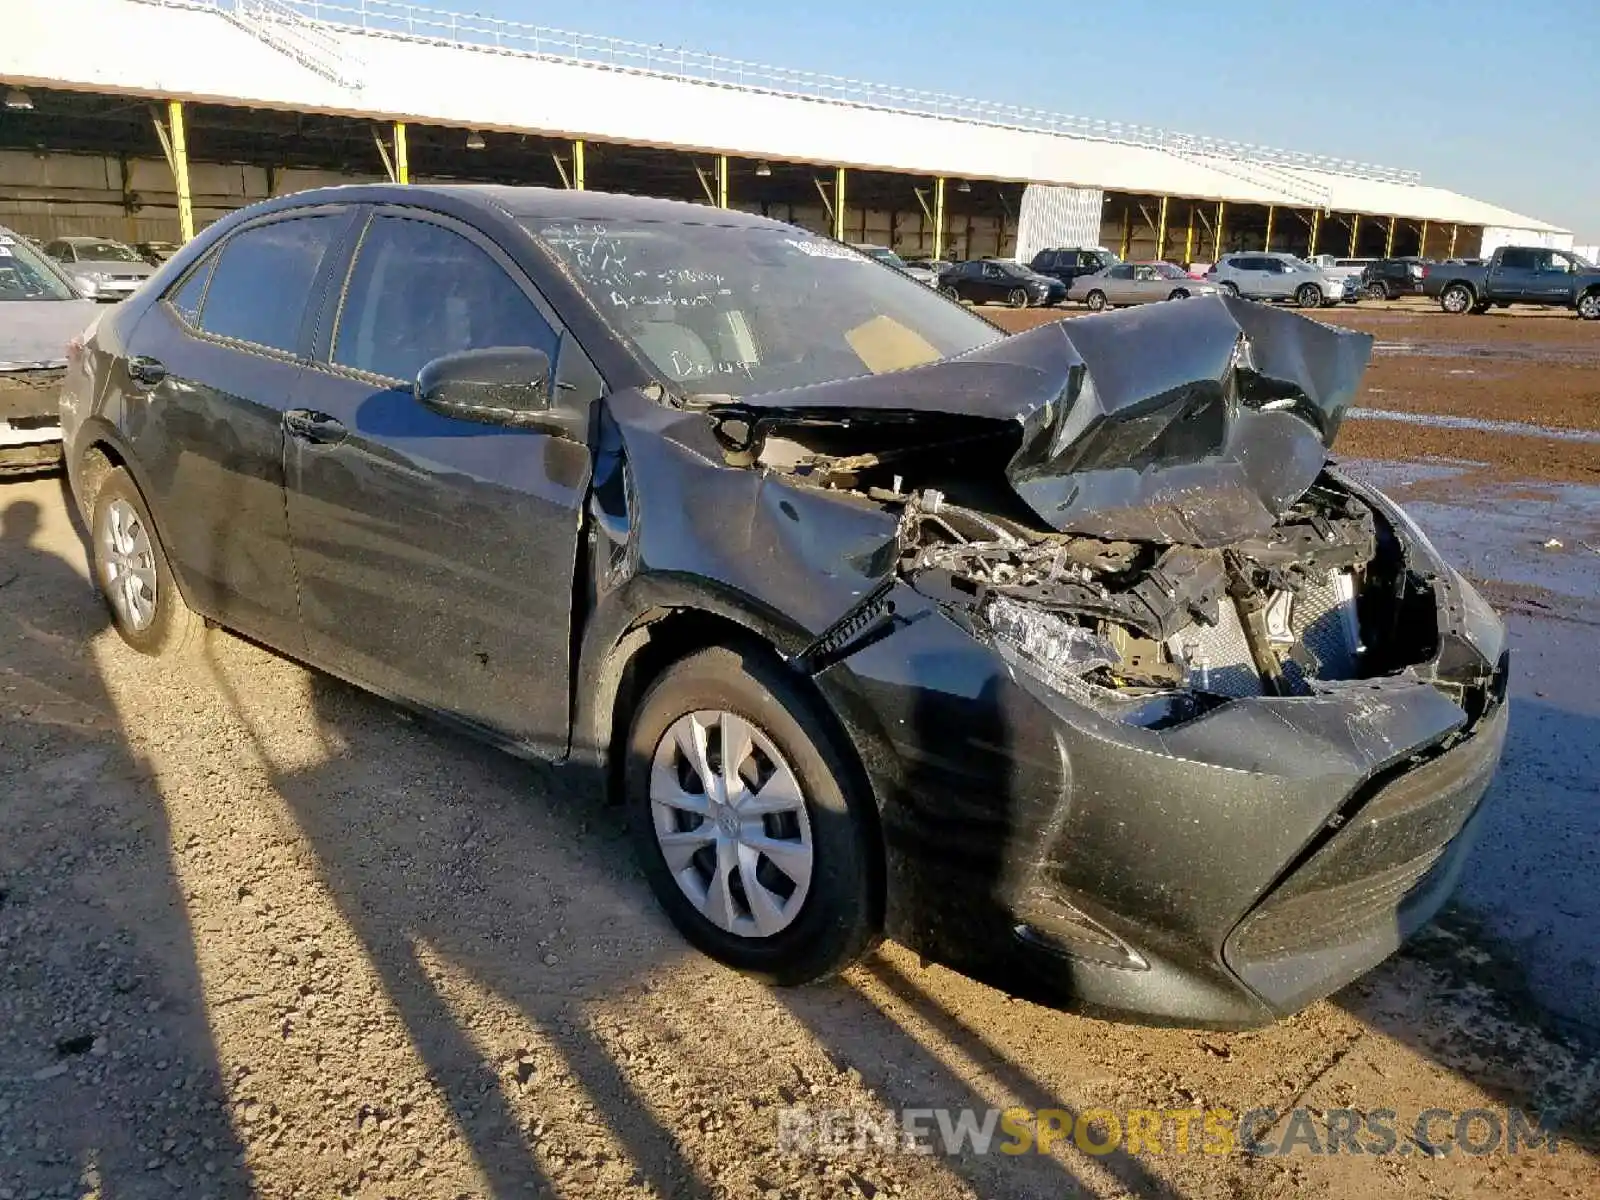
x=110, y=1081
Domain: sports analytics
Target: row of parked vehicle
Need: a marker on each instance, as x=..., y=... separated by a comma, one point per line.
x=104, y=268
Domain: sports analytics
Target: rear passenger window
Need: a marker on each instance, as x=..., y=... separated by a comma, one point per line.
x=262, y=282
x=419, y=291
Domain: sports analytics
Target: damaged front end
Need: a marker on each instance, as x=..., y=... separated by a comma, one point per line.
x=1210, y=652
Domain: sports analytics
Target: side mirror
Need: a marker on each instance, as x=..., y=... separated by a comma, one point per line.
x=499, y=386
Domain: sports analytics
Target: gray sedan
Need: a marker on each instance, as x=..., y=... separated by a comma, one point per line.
x=102, y=268
x=1137, y=283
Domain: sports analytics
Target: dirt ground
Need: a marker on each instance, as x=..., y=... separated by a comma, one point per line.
x=263, y=935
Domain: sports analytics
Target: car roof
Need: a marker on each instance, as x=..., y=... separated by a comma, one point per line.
x=536, y=202
x=80, y=238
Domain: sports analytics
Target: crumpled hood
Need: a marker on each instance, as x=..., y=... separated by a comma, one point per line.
x=1199, y=421
x=37, y=331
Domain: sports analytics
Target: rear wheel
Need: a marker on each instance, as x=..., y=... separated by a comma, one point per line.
x=1457, y=299
x=1229, y=288
x=1376, y=291
x=132, y=573
x=1589, y=305
x=1017, y=298
x=747, y=821
x=948, y=290
x=1178, y=294
x=1309, y=295
x=1096, y=300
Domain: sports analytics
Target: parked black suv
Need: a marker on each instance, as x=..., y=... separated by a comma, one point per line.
x=1067, y=265
x=1389, y=278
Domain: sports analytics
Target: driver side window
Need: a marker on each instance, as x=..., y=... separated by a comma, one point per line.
x=418, y=291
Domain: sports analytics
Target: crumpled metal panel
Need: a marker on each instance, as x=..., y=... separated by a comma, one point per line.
x=1196, y=422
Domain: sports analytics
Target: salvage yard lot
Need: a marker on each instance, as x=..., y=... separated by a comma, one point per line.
x=261, y=934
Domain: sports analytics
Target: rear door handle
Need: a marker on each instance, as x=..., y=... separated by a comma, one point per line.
x=315, y=427
x=146, y=371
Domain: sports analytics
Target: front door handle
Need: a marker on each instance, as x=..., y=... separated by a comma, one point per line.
x=146, y=371
x=315, y=427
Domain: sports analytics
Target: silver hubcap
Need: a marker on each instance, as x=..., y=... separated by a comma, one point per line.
x=1589, y=307
x=1456, y=301
x=130, y=565
x=731, y=823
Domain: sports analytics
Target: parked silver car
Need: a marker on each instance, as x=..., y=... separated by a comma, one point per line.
x=1137, y=283
x=40, y=312
x=889, y=258
x=1266, y=275
x=102, y=268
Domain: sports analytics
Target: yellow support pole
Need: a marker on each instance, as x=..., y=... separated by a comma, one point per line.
x=1161, y=231
x=1272, y=211
x=1188, y=238
x=1216, y=250
x=1388, y=245
x=1316, y=228
x=180, y=168
x=1454, y=229
x=402, y=159
x=838, y=204
x=577, y=165
x=1422, y=241
x=938, y=217
x=1355, y=228
x=722, y=181
x=1127, y=232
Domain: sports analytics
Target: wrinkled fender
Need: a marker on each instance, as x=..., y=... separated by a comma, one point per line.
x=675, y=528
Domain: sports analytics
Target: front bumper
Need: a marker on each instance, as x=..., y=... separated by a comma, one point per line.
x=1222, y=872
x=30, y=426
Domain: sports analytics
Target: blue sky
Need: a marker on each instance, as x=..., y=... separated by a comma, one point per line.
x=1500, y=100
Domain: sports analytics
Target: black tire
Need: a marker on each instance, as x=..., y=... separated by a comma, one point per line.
x=951, y=292
x=1017, y=297
x=1178, y=294
x=1376, y=291
x=1096, y=300
x=173, y=628
x=1589, y=305
x=1480, y=308
x=1229, y=287
x=838, y=919
x=1457, y=299
x=1308, y=295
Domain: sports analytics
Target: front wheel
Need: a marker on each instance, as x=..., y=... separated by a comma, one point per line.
x=951, y=292
x=1589, y=305
x=1096, y=300
x=747, y=820
x=1309, y=296
x=1457, y=299
x=132, y=573
x=1017, y=298
x=1376, y=291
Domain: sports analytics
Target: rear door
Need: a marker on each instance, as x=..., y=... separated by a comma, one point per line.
x=211, y=369
x=1514, y=277
x=437, y=556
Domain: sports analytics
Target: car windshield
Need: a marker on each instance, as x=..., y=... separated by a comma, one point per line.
x=722, y=310
x=105, y=252
x=25, y=275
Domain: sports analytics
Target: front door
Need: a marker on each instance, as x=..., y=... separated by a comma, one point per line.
x=437, y=556
x=211, y=369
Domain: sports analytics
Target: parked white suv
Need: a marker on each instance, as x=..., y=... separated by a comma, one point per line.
x=1267, y=275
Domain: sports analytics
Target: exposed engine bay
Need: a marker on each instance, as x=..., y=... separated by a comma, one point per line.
x=1322, y=595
